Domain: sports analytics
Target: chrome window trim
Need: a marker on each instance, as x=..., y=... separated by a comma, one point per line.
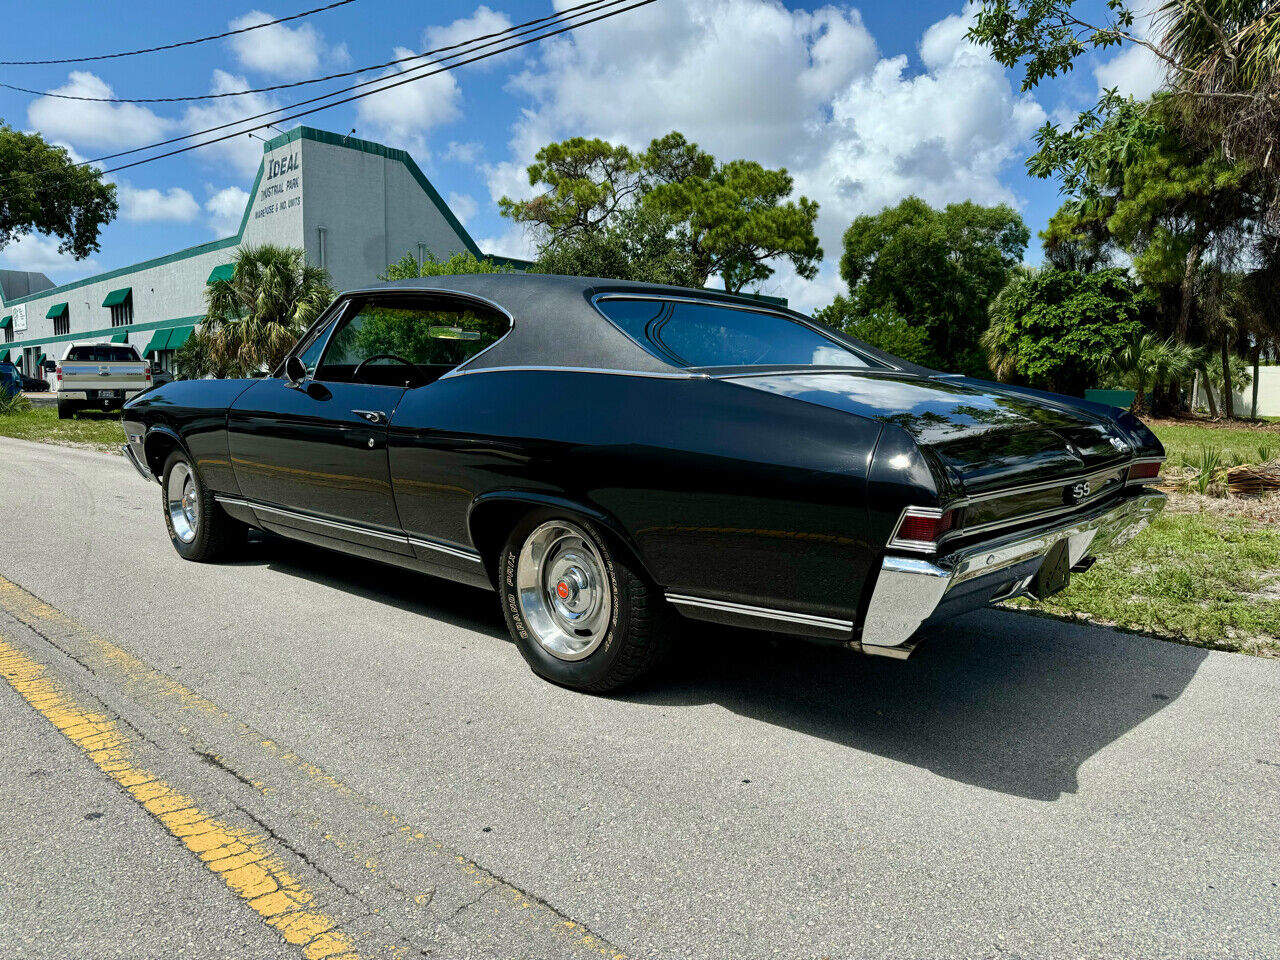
x=765, y=613
x=546, y=368
x=808, y=322
x=402, y=539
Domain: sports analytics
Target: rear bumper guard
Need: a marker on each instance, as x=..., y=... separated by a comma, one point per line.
x=910, y=590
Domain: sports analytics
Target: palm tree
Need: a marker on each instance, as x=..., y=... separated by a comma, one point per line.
x=1002, y=356
x=256, y=316
x=1148, y=361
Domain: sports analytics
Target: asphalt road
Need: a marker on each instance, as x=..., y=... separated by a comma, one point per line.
x=1019, y=788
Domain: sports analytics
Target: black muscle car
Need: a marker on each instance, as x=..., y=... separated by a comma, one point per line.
x=606, y=454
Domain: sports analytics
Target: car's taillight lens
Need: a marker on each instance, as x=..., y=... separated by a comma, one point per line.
x=147, y=370
x=924, y=525
x=59, y=369
x=1145, y=471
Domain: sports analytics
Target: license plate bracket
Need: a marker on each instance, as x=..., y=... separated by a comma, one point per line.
x=1054, y=574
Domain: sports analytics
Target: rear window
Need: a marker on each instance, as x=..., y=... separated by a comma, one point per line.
x=103, y=353
x=710, y=335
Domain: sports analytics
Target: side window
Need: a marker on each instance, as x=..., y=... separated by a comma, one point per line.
x=310, y=357
x=433, y=334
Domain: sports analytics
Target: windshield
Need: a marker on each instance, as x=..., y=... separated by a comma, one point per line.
x=695, y=334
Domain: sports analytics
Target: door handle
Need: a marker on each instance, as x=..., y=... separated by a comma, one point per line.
x=373, y=416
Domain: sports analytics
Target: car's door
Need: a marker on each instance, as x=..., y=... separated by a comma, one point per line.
x=312, y=456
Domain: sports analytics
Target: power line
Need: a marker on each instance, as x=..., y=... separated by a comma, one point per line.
x=174, y=46
x=303, y=83
x=398, y=83
x=407, y=76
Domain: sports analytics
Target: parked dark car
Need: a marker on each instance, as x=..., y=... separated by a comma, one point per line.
x=606, y=454
x=10, y=380
x=33, y=384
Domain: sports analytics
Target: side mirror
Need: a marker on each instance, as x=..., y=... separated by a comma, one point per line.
x=295, y=370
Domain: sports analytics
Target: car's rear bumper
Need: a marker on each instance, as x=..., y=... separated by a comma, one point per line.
x=126, y=393
x=911, y=591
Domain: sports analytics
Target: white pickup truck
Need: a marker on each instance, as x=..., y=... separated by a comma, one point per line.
x=98, y=375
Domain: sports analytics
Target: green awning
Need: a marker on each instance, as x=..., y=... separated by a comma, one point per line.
x=4, y=356
x=224, y=271
x=39, y=365
x=159, y=341
x=56, y=312
x=178, y=336
x=117, y=297
x=120, y=338
x=4, y=322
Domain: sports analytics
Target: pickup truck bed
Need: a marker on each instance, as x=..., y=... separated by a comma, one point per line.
x=100, y=376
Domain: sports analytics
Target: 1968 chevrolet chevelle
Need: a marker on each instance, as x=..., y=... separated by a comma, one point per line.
x=605, y=455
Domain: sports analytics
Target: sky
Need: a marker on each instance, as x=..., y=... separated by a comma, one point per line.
x=862, y=103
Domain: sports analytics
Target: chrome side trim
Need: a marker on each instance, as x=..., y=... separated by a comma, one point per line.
x=763, y=613
x=307, y=518
x=1043, y=485
x=452, y=551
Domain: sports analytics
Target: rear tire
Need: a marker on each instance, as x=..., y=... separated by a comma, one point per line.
x=66, y=410
x=582, y=614
x=199, y=528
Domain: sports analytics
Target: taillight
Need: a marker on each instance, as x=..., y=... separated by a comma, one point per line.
x=922, y=527
x=147, y=371
x=1145, y=471
x=59, y=371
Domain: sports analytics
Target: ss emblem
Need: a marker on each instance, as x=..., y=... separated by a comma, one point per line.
x=1078, y=492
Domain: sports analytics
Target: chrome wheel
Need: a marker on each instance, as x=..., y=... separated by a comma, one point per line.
x=564, y=591
x=183, y=502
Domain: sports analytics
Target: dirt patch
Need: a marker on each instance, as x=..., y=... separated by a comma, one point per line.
x=1261, y=426
x=1264, y=511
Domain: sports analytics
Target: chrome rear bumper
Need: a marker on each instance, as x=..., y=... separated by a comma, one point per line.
x=910, y=591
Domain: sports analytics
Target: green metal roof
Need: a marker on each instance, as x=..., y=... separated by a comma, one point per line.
x=223, y=271
x=120, y=338
x=117, y=297
x=57, y=311
x=178, y=336
x=6, y=321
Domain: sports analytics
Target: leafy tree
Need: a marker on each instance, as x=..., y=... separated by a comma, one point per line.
x=1057, y=328
x=408, y=266
x=882, y=328
x=732, y=219
x=44, y=191
x=638, y=245
x=937, y=269
x=449, y=337
x=1147, y=362
x=255, y=317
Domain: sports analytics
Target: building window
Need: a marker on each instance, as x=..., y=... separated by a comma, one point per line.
x=8, y=334
x=62, y=324
x=122, y=313
x=164, y=360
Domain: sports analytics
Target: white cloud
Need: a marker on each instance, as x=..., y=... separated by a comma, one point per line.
x=468, y=152
x=150, y=203
x=804, y=90
x=480, y=24
x=89, y=123
x=226, y=209
x=283, y=50
x=242, y=151
x=400, y=117
x=512, y=242
x=463, y=206
x=1135, y=71
x=36, y=253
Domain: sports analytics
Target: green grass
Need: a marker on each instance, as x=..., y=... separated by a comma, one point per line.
x=1204, y=579
x=1238, y=444
x=100, y=430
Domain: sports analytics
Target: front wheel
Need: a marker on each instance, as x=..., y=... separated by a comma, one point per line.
x=581, y=614
x=198, y=527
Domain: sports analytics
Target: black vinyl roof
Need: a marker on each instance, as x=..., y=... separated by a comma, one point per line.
x=555, y=324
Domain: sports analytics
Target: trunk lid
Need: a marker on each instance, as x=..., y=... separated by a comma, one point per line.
x=982, y=438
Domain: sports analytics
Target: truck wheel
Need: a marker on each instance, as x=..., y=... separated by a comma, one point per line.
x=66, y=410
x=199, y=528
x=582, y=615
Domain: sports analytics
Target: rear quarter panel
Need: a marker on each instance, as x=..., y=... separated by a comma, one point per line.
x=723, y=491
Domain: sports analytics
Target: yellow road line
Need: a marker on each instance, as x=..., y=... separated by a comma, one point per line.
x=243, y=860
x=161, y=693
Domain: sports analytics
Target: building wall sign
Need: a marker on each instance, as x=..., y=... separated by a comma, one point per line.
x=281, y=180
x=19, y=318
